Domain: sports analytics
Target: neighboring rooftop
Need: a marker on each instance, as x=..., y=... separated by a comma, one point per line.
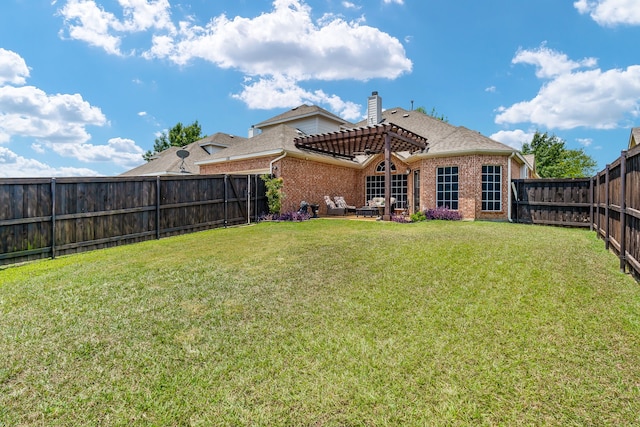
x=168, y=163
x=634, y=139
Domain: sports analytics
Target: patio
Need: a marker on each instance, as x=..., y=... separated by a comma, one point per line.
x=383, y=138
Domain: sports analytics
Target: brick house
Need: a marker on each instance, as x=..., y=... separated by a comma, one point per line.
x=460, y=168
x=432, y=163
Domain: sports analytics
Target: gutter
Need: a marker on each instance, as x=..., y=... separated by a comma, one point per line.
x=275, y=160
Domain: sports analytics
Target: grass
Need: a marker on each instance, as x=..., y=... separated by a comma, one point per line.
x=326, y=323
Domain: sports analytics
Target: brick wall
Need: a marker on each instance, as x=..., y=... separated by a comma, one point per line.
x=470, y=184
x=311, y=181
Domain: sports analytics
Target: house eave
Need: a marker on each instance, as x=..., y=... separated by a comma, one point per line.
x=240, y=157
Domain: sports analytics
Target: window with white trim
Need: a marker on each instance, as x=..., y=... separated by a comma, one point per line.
x=381, y=167
x=447, y=187
x=491, y=188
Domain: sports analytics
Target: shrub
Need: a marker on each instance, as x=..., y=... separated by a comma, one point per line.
x=401, y=219
x=443, y=213
x=275, y=196
x=287, y=216
x=418, y=216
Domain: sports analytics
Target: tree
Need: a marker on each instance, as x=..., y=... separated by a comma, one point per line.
x=178, y=136
x=433, y=114
x=554, y=160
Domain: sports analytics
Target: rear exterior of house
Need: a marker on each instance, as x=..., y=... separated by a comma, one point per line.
x=460, y=169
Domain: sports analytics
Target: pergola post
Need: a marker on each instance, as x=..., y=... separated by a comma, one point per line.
x=387, y=177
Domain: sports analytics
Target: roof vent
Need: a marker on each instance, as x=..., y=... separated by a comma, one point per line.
x=405, y=115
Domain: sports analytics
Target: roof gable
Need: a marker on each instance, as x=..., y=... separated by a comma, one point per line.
x=300, y=112
x=634, y=138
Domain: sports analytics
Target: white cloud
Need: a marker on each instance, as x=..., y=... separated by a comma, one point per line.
x=283, y=92
x=38, y=148
x=87, y=21
x=15, y=166
x=610, y=12
x=29, y=111
x=120, y=151
x=490, y=89
x=572, y=97
x=350, y=5
x=550, y=63
x=57, y=122
x=284, y=44
x=286, y=41
x=513, y=138
x=394, y=1
x=13, y=68
x=585, y=142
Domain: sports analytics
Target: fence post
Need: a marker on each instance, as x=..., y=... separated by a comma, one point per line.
x=158, y=199
x=248, y=199
x=591, y=202
x=255, y=198
x=226, y=199
x=606, y=207
x=53, y=218
x=623, y=210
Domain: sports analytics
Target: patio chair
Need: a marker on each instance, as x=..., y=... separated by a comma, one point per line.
x=332, y=209
x=340, y=202
x=378, y=202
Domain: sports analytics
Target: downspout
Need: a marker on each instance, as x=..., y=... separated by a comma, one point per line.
x=509, y=195
x=275, y=160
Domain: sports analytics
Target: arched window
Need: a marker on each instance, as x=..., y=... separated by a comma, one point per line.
x=380, y=167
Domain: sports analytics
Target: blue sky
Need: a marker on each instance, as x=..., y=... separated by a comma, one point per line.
x=87, y=85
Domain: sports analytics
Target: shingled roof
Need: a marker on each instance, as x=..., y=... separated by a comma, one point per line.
x=272, y=140
x=300, y=112
x=168, y=163
x=444, y=138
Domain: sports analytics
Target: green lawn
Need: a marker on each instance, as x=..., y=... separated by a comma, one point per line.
x=326, y=323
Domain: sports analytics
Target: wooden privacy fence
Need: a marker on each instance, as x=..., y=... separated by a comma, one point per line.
x=552, y=201
x=42, y=218
x=608, y=203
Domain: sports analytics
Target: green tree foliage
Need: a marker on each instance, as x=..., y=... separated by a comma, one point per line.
x=178, y=136
x=275, y=196
x=554, y=160
x=433, y=114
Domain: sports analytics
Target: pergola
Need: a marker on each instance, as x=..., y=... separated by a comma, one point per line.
x=384, y=138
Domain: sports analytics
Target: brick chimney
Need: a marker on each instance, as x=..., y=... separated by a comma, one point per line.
x=374, y=109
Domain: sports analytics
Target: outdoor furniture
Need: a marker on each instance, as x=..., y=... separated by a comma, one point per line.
x=340, y=202
x=332, y=209
x=367, y=211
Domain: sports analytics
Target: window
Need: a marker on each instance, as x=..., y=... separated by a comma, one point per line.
x=447, y=187
x=491, y=188
x=381, y=167
x=375, y=188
